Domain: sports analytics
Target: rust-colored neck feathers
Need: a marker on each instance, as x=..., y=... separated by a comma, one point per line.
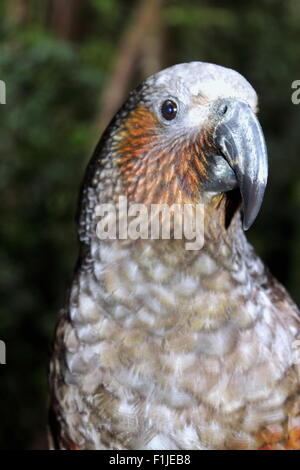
x=157, y=169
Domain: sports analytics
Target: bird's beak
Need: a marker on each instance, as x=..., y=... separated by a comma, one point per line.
x=239, y=139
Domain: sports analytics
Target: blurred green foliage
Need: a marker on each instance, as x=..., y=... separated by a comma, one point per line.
x=47, y=133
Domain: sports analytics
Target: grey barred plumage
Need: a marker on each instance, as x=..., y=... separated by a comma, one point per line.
x=159, y=347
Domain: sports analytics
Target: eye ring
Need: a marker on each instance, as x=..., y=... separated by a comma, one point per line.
x=169, y=109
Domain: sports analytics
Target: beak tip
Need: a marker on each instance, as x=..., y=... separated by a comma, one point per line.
x=247, y=224
x=249, y=214
x=252, y=196
x=247, y=221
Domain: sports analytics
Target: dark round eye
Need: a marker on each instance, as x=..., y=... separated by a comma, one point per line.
x=169, y=110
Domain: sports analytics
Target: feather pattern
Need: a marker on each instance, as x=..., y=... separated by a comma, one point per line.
x=159, y=347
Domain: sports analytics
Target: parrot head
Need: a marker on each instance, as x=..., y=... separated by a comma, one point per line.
x=190, y=134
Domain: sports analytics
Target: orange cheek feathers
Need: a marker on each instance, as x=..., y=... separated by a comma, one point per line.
x=155, y=169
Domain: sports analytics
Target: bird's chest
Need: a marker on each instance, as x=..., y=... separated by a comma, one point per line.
x=166, y=352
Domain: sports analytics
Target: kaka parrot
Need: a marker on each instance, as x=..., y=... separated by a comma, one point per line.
x=157, y=346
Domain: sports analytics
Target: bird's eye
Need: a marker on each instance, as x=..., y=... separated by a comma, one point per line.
x=169, y=110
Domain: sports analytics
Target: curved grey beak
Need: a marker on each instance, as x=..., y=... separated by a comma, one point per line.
x=239, y=138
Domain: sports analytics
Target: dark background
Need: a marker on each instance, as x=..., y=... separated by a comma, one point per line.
x=68, y=64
